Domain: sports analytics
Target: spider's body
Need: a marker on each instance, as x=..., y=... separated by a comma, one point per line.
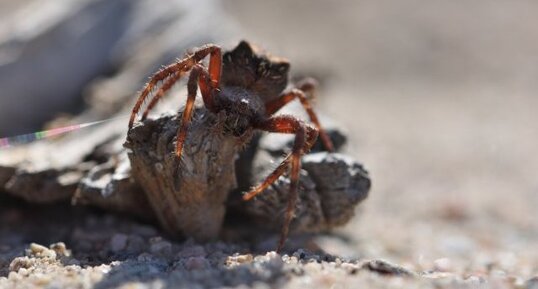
x=242, y=108
x=248, y=81
x=249, y=88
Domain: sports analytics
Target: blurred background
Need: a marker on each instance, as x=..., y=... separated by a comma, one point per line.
x=438, y=98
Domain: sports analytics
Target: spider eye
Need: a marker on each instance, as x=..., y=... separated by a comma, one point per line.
x=243, y=104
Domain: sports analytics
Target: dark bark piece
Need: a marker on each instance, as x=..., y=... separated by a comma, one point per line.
x=267, y=209
x=46, y=186
x=110, y=186
x=341, y=184
x=188, y=196
x=50, y=171
x=5, y=174
x=331, y=186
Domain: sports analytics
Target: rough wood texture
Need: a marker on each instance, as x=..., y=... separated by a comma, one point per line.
x=50, y=171
x=331, y=186
x=188, y=196
x=110, y=186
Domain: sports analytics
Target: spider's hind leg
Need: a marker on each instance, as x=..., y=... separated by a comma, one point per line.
x=306, y=86
x=305, y=136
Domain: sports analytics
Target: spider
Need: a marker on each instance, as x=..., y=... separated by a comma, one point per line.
x=249, y=86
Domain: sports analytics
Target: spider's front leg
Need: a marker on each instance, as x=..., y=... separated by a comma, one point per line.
x=174, y=71
x=305, y=136
x=198, y=77
x=306, y=86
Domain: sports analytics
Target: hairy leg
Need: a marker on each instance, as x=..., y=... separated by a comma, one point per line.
x=203, y=83
x=162, y=90
x=305, y=86
x=192, y=87
x=181, y=67
x=305, y=136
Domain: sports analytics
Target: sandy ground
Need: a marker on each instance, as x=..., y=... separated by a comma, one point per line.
x=439, y=100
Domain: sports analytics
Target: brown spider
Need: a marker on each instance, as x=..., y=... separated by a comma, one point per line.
x=248, y=86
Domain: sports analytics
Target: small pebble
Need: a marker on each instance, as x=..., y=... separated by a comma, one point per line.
x=239, y=259
x=13, y=276
x=475, y=280
x=118, y=242
x=442, y=265
x=192, y=251
x=20, y=262
x=351, y=268
x=145, y=231
x=161, y=248
x=23, y=272
x=136, y=244
x=439, y=275
x=60, y=249
x=532, y=283
x=40, y=251
x=196, y=263
x=272, y=260
x=145, y=257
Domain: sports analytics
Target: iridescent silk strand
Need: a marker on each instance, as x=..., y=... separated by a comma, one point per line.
x=35, y=136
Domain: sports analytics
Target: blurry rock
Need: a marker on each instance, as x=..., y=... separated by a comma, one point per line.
x=532, y=283
x=118, y=242
x=196, y=263
x=65, y=45
x=237, y=259
x=385, y=267
x=39, y=251
x=136, y=244
x=55, y=43
x=442, y=265
x=192, y=251
x=60, y=249
x=160, y=247
x=20, y=263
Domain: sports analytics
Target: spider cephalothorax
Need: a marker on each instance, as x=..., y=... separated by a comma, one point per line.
x=248, y=87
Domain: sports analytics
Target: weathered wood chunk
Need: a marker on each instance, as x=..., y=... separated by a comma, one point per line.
x=188, y=195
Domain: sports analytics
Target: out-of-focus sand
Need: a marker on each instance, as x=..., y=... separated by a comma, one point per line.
x=440, y=100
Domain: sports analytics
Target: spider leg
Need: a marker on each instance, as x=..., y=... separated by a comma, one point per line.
x=198, y=77
x=305, y=136
x=179, y=68
x=306, y=86
x=162, y=90
x=206, y=89
x=203, y=82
